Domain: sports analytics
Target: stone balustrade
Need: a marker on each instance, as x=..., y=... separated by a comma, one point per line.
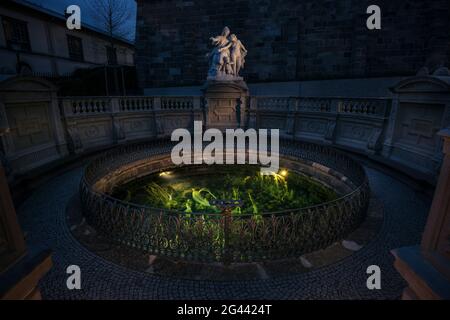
x=177, y=103
x=87, y=106
x=356, y=124
x=95, y=122
x=398, y=131
x=357, y=106
x=136, y=104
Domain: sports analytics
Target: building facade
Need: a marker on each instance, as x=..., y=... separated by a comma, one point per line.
x=36, y=41
x=291, y=40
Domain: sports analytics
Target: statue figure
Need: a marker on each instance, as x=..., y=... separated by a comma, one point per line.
x=227, y=57
x=222, y=51
x=238, y=53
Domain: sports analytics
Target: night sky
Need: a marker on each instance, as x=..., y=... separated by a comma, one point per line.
x=60, y=6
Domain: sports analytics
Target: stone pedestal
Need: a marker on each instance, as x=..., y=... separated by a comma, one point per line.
x=426, y=269
x=225, y=104
x=20, y=268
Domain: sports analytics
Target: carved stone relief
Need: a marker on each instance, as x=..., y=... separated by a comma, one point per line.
x=29, y=124
x=417, y=125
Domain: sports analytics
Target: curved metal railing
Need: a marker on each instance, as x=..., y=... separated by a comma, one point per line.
x=206, y=237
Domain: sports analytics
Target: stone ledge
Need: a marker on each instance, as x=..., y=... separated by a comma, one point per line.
x=21, y=280
x=424, y=281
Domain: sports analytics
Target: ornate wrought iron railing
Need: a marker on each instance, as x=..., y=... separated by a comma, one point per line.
x=220, y=237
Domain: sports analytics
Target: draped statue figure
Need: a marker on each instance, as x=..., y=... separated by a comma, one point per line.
x=227, y=57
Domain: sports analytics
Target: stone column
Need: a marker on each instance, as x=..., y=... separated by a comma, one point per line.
x=290, y=121
x=159, y=124
x=117, y=130
x=426, y=268
x=196, y=112
x=252, y=113
x=56, y=118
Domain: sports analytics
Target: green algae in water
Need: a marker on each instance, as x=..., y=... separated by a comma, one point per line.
x=192, y=189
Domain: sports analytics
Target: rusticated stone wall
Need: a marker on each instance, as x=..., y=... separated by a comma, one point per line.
x=291, y=40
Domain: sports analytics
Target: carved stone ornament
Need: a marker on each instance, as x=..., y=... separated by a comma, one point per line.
x=226, y=58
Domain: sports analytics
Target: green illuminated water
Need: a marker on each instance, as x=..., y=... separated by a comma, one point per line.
x=192, y=189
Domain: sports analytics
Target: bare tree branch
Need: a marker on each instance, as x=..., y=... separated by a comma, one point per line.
x=113, y=16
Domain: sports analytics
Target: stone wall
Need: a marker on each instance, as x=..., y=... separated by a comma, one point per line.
x=291, y=40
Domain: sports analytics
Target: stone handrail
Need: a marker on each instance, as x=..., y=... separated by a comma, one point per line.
x=87, y=106
x=363, y=125
x=74, y=106
x=358, y=106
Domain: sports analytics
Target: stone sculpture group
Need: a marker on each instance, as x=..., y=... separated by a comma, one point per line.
x=227, y=57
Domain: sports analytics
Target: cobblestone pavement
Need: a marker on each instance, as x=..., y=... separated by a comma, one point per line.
x=42, y=216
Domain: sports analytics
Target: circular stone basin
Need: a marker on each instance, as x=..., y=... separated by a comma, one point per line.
x=135, y=196
x=196, y=189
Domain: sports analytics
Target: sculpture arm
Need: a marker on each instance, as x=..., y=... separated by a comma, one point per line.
x=226, y=47
x=214, y=40
x=242, y=46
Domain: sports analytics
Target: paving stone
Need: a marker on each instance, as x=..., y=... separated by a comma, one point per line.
x=151, y=259
x=351, y=245
x=261, y=271
x=43, y=218
x=306, y=263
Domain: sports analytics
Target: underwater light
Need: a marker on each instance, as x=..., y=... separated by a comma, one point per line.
x=165, y=173
x=284, y=173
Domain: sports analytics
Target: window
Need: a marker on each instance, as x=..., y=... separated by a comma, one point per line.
x=16, y=34
x=111, y=54
x=75, y=48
